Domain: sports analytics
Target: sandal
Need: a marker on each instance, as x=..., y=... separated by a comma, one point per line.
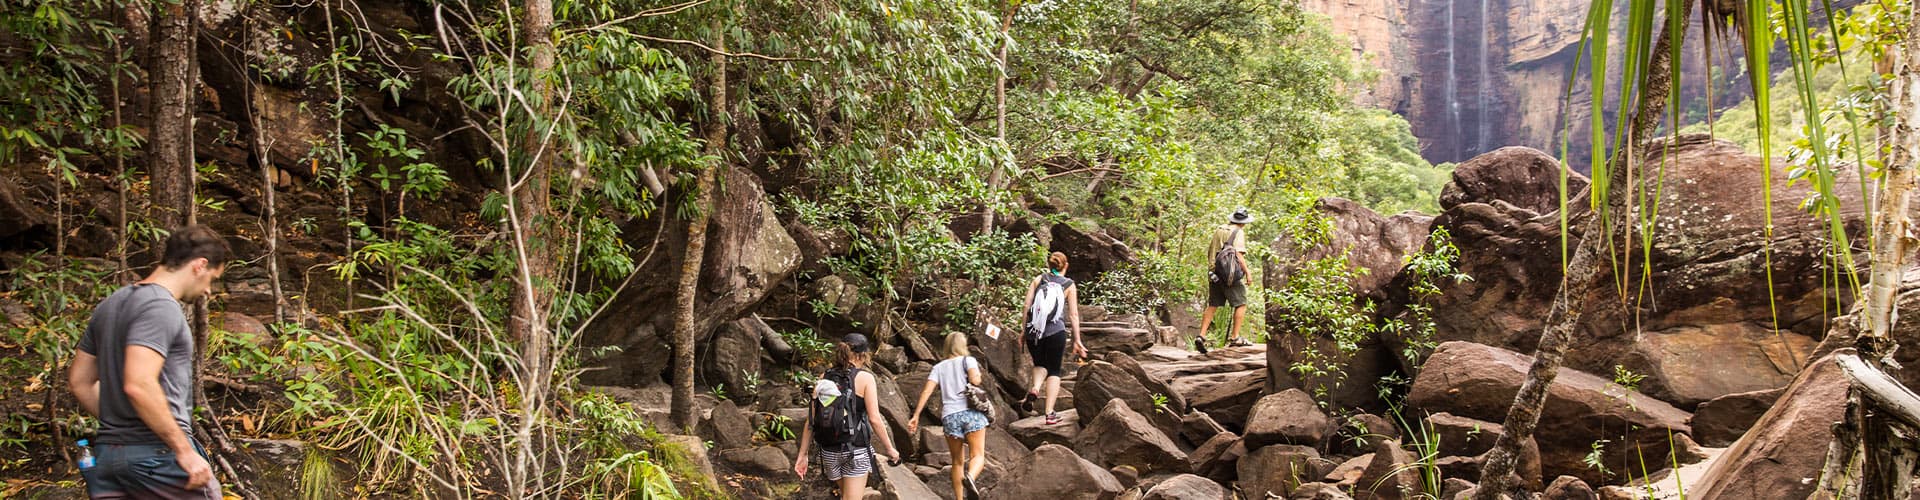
x=1200, y=344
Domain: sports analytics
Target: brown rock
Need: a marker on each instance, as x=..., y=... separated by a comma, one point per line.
x=1348, y=473
x=1782, y=455
x=762, y=461
x=1277, y=470
x=1100, y=382
x=900, y=483
x=1128, y=476
x=1319, y=491
x=1289, y=417
x=1478, y=381
x=1119, y=436
x=1091, y=253
x=1219, y=457
x=1196, y=427
x=728, y=427
x=1055, y=472
x=1228, y=402
x=1569, y=488
x=1388, y=476
x=1453, y=487
x=1034, y=431
x=1719, y=422
x=1186, y=487
x=1463, y=437
x=1176, y=402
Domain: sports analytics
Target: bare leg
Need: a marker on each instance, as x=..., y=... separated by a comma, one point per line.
x=1053, y=392
x=976, y=452
x=1239, y=318
x=854, y=488
x=1206, y=321
x=1039, y=376
x=954, y=451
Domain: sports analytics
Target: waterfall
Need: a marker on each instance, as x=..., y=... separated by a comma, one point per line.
x=1453, y=81
x=1485, y=98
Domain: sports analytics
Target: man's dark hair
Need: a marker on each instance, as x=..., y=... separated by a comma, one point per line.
x=195, y=242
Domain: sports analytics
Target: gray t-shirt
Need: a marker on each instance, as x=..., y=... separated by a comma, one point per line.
x=140, y=316
x=952, y=377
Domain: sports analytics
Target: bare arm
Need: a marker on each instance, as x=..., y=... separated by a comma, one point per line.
x=1247, y=274
x=973, y=376
x=1073, y=314
x=83, y=378
x=806, y=438
x=142, y=386
x=926, y=391
x=869, y=392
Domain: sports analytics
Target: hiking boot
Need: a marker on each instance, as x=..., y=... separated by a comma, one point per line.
x=1200, y=345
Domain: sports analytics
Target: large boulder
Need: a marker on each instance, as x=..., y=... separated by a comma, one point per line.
x=1154, y=385
x=1034, y=431
x=760, y=461
x=1090, y=254
x=1054, y=472
x=1277, y=470
x=1121, y=436
x=744, y=261
x=1463, y=437
x=1101, y=382
x=1719, y=422
x=902, y=484
x=1712, y=331
x=1478, y=381
x=1391, y=475
x=731, y=357
x=1106, y=338
x=1186, y=487
x=1219, y=457
x=1375, y=247
x=1230, y=400
x=1569, y=488
x=1288, y=417
x=1782, y=455
x=727, y=426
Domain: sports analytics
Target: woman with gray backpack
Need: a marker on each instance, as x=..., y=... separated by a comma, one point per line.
x=1053, y=304
x=965, y=413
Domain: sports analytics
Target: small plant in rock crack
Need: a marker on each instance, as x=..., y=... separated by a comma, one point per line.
x=719, y=391
x=1625, y=383
x=749, y=381
x=776, y=428
x=1160, y=403
x=1594, y=459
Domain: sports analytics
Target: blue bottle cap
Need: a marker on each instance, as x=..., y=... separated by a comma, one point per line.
x=82, y=442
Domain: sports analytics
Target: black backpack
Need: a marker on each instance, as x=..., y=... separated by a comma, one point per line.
x=843, y=425
x=1226, y=262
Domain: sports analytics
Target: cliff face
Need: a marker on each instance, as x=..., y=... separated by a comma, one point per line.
x=1472, y=76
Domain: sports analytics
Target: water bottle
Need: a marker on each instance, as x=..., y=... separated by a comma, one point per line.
x=86, y=456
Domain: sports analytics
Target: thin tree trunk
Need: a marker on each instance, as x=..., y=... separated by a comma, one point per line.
x=170, y=140
x=1584, y=271
x=1891, y=241
x=997, y=178
x=532, y=223
x=1888, y=459
x=270, y=219
x=689, y=286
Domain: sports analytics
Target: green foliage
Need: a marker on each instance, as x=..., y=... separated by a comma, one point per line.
x=1317, y=304
x=1144, y=286
x=1434, y=265
x=809, y=349
x=58, y=52
x=776, y=428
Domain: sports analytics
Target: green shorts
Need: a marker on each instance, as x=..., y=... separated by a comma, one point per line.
x=1221, y=295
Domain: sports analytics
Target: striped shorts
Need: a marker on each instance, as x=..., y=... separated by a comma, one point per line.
x=857, y=462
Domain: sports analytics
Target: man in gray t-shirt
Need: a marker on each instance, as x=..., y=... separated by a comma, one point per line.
x=134, y=370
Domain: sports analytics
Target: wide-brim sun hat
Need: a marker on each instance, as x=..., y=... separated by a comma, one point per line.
x=1240, y=217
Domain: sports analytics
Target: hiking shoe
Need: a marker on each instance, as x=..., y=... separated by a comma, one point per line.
x=1053, y=418
x=1200, y=345
x=973, y=491
x=1026, y=403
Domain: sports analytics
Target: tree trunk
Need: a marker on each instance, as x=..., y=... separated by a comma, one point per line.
x=1891, y=240
x=1888, y=459
x=1585, y=270
x=170, y=83
x=997, y=177
x=689, y=286
x=269, y=219
x=532, y=226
